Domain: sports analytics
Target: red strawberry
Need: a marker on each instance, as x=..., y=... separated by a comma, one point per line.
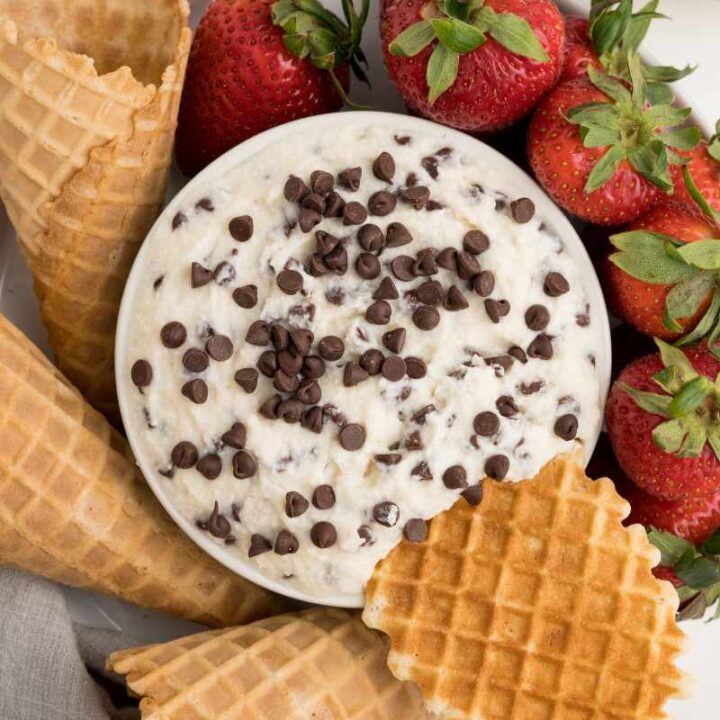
x=475, y=67
x=660, y=295
x=667, y=442
x=704, y=168
x=579, y=50
x=601, y=151
x=668, y=574
x=255, y=64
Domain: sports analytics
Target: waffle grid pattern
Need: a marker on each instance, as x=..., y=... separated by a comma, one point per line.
x=322, y=664
x=73, y=507
x=538, y=605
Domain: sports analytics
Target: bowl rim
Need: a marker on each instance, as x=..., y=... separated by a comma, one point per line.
x=523, y=185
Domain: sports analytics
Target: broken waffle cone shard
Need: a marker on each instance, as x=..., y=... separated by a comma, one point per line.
x=74, y=508
x=322, y=664
x=536, y=605
x=89, y=95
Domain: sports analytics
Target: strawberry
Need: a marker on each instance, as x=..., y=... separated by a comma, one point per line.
x=657, y=282
x=668, y=443
x=703, y=165
x=579, y=50
x=255, y=64
x=668, y=575
x=479, y=65
x=602, y=151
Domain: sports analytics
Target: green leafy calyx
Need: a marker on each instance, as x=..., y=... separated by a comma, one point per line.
x=462, y=27
x=314, y=33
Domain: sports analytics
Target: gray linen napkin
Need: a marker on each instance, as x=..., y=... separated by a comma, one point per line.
x=43, y=656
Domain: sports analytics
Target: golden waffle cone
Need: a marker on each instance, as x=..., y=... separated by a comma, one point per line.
x=322, y=664
x=85, y=149
x=73, y=507
x=536, y=605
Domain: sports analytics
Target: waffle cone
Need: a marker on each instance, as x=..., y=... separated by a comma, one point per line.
x=89, y=95
x=74, y=509
x=322, y=664
x=536, y=605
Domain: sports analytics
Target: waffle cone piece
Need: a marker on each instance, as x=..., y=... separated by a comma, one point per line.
x=89, y=95
x=322, y=664
x=536, y=605
x=74, y=509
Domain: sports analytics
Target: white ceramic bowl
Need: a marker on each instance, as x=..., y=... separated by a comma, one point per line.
x=519, y=184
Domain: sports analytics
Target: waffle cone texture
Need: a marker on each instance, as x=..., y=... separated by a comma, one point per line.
x=323, y=664
x=74, y=509
x=536, y=605
x=89, y=95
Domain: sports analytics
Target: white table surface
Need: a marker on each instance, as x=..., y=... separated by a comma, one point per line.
x=692, y=37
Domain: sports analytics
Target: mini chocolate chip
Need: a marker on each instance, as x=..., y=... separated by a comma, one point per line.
x=285, y=383
x=354, y=374
x=158, y=282
x=426, y=317
x=555, y=285
x=313, y=367
x=178, y=220
x=531, y=388
x=378, y=313
x=173, y=335
x=218, y=525
x=141, y=373
x=323, y=534
x=411, y=179
x=258, y=545
x=384, y=167
x=415, y=530
x=447, y=259
x=473, y=495
x=269, y=408
x=416, y=196
x=393, y=368
x=295, y=189
x=403, y=267
x=331, y=348
x=429, y=293
x=518, y=354
x=290, y=411
x=279, y=336
x=386, y=514
x=308, y=218
x=258, y=334
x=286, y=543
x=199, y=275
x=184, y=455
x=210, y=466
x=195, y=360
x=523, y=210
x=314, y=201
x=484, y=283
x=350, y=178
x=224, y=274
x=352, y=437
x=370, y=238
x=397, y=235
x=388, y=458
x=242, y=228
x=506, y=406
x=290, y=281
x=420, y=416
x=371, y=361
x=403, y=139
x=394, y=340
x=455, y=477
x=219, y=347
x=267, y=363
x=322, y=182
x=312, y=419
x=497, y=467
x=235, y=437
x=541, y=347
x=381, y=203
x=430, y=164
x=582, y=319
x=295, y=504
x=334, y=205
x=467, y=265
x=475, y=242
x=414, y=441
x=425, y=263
x=433, y=205
x=309, y=392
x=386, y=290
x=325, y=242
x=486, y=424
x=497, y=309
x=354, y=213
x=415, y=368
x=502, y=364
x=537, y=317
x=566, y=427
x=302, y=340
x=323, y=497
x=243, y=465
x=245, y=296
x=422, y=471
x=196, y=391
x=455, y=300
x=337, y=260
x=367, y=266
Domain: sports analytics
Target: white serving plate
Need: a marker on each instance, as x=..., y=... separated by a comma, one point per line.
x=690, y=37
